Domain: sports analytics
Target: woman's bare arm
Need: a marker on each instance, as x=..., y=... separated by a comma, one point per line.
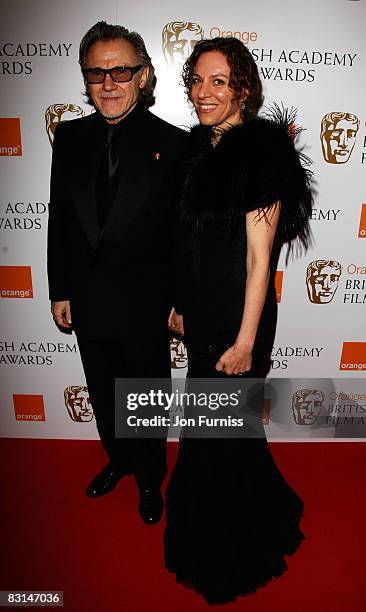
x=260, y=231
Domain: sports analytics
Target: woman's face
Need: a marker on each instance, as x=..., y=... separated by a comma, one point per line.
x=210, y=93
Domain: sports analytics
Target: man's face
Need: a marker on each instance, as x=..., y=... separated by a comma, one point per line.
x=181, y=45
x=339, y=140
x=306, y=409
x=110, y=98
x=79, y=406
x=323, y=284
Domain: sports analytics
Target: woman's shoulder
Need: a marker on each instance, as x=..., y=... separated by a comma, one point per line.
x=254, y=135
x=253, y=166
x=258, y=126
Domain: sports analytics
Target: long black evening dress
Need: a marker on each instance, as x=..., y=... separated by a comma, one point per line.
x=230, y=514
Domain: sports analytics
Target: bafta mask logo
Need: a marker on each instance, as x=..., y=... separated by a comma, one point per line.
x=306, y=406
x=78, y=404
x=322, y=277
x=60, y=112
x=179, y=39
x=178, y=354
x=338, y=136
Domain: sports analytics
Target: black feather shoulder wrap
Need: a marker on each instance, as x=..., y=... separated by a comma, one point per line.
x=253, y=166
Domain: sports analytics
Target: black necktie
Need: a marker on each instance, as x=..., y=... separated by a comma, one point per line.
x=108, y=177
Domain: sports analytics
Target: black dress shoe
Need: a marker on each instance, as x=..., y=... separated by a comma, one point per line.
x=105, y=481
x=151, y=505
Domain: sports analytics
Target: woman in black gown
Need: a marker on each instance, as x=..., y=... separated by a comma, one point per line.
x=243, y=193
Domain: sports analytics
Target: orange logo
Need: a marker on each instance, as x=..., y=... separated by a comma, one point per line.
x=29, y=407
x=265, y=411
x=293, y=130
x=353, y=356
x=362, y=230
x=278, y=284
x=16, y=282
x=10, y=140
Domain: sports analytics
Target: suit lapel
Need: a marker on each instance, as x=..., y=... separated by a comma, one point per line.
x=139, y=171
x=132, y=192
x=138, y=175
x=85, y=177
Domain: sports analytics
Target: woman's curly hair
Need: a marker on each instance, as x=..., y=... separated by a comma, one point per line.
x=244, y=77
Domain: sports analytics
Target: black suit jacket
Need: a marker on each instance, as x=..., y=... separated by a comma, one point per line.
x=118, y=281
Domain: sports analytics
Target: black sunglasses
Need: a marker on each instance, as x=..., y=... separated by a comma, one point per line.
x=119, y=74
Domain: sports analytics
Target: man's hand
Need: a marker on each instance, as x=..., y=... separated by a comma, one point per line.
x=175, y=323
x=61, y=313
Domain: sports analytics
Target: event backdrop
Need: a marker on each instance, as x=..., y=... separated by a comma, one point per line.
x=311, y=56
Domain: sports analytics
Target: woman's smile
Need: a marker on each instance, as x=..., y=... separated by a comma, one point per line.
x=211, y=94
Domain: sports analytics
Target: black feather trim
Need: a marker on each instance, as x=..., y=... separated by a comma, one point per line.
x=253, y=166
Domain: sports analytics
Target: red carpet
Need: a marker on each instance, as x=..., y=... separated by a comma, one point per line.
x=105, y=559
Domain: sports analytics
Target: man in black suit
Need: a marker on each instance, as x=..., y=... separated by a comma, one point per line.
x=109, y=263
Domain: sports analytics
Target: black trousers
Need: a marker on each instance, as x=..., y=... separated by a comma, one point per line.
x=103, y=362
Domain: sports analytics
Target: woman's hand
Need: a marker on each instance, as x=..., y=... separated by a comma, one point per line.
x=235, y=360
